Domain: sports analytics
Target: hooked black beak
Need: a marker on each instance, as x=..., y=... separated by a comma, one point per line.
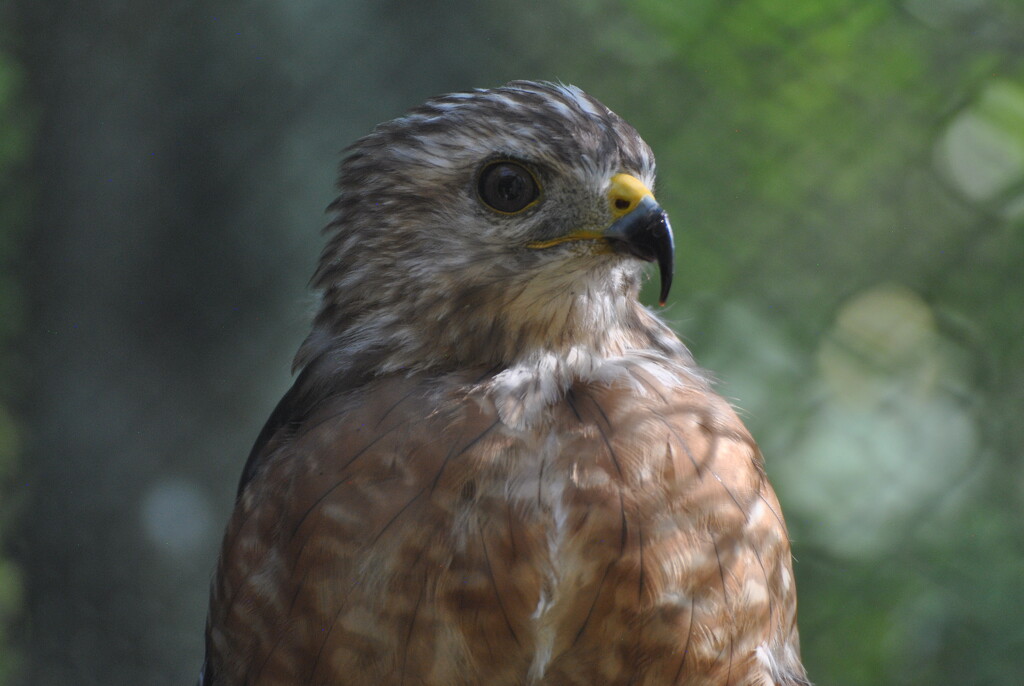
x=646, y=233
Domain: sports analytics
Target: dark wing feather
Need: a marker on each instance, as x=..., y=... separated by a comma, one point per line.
x=307, y=392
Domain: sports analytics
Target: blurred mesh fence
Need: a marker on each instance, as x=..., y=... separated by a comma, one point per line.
x=853, y=175
x=846, y=179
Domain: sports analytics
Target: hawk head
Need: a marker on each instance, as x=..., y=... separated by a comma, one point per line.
x=487, y=225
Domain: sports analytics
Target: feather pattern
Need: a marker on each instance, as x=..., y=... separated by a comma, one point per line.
x=496, y=466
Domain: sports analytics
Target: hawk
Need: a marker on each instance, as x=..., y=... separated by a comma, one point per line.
x=495, y=465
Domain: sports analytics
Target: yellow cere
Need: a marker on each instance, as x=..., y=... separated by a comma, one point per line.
x=625, y=193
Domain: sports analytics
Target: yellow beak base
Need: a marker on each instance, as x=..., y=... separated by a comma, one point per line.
x=625, y=193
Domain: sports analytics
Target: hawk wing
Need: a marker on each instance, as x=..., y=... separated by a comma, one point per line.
x=401, y=532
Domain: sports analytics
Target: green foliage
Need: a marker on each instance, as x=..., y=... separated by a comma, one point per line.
x=813, y=153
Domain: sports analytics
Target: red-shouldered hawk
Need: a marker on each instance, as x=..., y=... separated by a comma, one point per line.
x=496, y=466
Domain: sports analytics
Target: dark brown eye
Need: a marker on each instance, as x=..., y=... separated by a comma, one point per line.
x=507, y=187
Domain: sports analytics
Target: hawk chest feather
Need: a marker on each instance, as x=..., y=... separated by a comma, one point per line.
x=623, y=527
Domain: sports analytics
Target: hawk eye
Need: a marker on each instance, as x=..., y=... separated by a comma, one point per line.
x=507, y=187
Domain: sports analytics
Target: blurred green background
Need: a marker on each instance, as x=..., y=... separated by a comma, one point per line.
x=846, y=179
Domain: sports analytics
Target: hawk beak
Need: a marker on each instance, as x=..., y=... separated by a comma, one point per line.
x=642, y=228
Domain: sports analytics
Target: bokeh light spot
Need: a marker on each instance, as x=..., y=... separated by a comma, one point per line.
x=176, y=517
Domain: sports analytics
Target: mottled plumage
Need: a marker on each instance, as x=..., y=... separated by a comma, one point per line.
x=495, y=466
